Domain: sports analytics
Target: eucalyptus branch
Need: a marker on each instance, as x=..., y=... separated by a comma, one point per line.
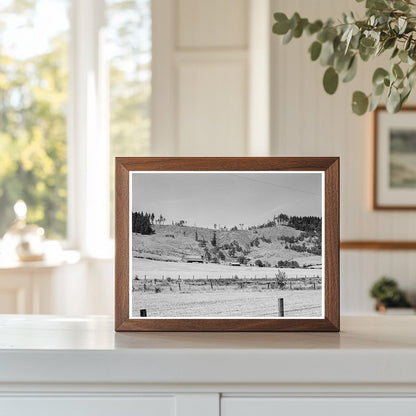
x=389, y=25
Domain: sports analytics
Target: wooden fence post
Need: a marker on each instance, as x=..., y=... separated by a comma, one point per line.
x=281, y=311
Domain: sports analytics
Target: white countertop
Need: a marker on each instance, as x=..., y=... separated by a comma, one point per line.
x=52, y=349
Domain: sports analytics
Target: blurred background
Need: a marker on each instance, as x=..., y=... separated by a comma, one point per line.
x=83, y=81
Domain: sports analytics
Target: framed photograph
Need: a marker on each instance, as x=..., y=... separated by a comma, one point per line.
x=394, y=179
x=227, y=244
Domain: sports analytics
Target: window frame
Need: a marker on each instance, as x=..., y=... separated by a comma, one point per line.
x=87, y=133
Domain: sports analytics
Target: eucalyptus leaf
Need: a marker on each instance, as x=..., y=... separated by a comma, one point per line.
x=359, y=103
x=393, y=101
x=327, y=54
x=281, y=26
x=378, y=89
x=397, y=71
x=376, y=4
x=366, y=53
x=400, y=5
x=403, y=56
x=379, y=75
x=330, y=80
x=374, y=102
x=402, y=22
x=294, y=20
x=351, y=71
x=395, y=52
x=411, y=71
x=315, y=50
x=298, y=30
x=404, y=96
x=346, y=34
x=322, y=36
x=314, y=27
x=341, y=62
x=288, y=37
x=389, y=43
x=411, y=78
x=367, y=42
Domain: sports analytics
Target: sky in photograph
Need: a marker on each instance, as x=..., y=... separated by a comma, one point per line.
x=226, y=198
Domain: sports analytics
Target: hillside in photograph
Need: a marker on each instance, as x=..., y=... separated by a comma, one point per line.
x=284, y=242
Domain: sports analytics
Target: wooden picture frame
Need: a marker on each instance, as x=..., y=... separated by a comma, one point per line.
x=135, y=169
x=394, y=179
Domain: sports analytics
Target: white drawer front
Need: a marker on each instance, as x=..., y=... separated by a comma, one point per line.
x=269, y=406
x=87, y=406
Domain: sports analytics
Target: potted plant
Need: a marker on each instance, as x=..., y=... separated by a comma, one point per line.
x=387, y=294
x=389, y=27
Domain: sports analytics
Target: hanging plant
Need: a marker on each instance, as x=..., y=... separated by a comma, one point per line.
x=389, y=27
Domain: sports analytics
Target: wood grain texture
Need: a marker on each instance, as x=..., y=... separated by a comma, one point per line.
x=122, y=228
x=376, y=204
x=330, y=165
x=378, y=245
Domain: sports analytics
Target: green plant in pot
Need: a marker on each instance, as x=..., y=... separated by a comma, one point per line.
x=387, y=294
x=389, y=27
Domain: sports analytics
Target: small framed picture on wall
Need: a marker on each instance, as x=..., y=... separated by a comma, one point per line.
x=394, y=159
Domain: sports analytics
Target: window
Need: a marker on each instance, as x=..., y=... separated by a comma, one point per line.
x=129, y=46
x=33, y=98
x=75, y=87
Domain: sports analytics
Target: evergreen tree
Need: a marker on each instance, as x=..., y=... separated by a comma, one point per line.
x=141, y=223
x=214, y=240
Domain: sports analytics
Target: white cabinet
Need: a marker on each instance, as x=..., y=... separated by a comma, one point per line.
x=270, y=406
x=79, y=366
x=87, y=406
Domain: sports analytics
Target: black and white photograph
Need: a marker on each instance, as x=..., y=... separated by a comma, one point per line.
x=243, y=244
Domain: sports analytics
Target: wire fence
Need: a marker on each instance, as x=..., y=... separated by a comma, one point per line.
x=179, y=284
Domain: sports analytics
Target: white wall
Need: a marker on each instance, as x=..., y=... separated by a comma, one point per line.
x=202, y=88
x=211, y=97
x=308, y=122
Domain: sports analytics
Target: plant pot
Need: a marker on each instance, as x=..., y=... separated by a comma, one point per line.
x=382, y=309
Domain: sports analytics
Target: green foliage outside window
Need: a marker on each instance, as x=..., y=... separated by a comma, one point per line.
x=34, y=102
x=33, y=99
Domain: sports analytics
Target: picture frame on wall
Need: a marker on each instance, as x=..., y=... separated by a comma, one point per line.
x=394, y=159
x=227, y=244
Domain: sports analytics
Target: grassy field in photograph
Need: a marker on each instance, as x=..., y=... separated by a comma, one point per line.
x=171, y=289
x=153, y=269
x=228, y=303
